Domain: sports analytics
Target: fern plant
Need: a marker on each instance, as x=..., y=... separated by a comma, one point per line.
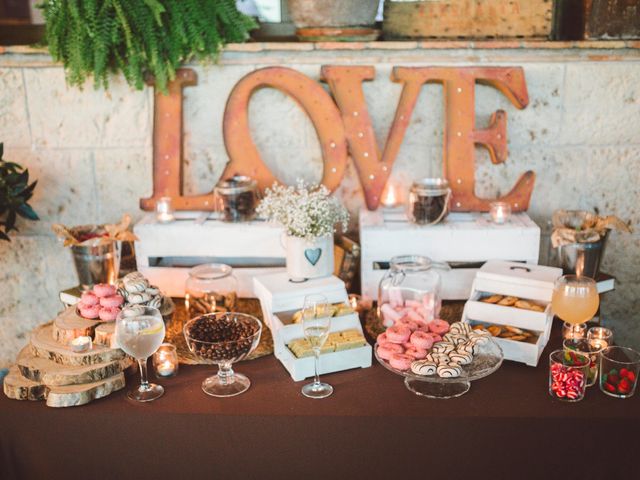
x=141, y=38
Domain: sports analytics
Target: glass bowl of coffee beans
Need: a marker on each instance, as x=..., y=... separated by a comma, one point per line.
x=223, y=339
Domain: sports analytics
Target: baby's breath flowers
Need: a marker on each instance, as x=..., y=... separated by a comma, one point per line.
x=304, y=211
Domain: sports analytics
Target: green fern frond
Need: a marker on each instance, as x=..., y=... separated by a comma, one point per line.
x=139, y=38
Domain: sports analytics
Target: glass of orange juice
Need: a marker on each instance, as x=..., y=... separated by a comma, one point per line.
x=575, y=299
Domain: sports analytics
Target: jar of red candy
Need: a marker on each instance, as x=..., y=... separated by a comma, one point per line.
x=568, y=373
x=410, y=289
x=619, y=370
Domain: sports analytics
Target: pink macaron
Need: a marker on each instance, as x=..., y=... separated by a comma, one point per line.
x=439, y=326
x=400, y=361
x=89, y=311
x=89, y=298
x=421, y=340
x=387, y=349
x=109, y=314
x=398, y=333
x=104, y=290
x=112, y=301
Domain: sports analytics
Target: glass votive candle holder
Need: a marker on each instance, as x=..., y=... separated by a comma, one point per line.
x=619, y=369
x=499, y=212
x=586, y=348
x=600, y=335
x=164, y=210
x=568, y=372
x=165, y=361
x=571, y=331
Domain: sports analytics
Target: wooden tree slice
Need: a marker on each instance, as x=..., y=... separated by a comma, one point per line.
x=51, y=373
x=105, y=335
x=19, y=388
x=44, y=346
x=73, y=395
x=69, y=325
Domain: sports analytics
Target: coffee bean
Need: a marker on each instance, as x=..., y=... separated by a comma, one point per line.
x=226, y=337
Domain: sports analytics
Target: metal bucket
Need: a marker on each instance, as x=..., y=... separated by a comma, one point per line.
x=582, y=258
x=98, y=264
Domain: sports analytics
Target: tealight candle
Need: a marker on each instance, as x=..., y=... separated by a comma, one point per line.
x=165, y=361
x=500, y=212
x=164, y=210
x=573, y=332
x=600, y=335
x=81, y=344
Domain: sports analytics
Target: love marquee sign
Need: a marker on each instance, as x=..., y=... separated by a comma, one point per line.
x=344, y=130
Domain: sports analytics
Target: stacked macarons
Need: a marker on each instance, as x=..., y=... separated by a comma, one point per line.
x=102, y=302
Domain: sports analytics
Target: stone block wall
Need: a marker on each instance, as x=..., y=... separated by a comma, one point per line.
x=91, y=150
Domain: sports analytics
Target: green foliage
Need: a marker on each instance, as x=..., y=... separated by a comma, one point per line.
x=15, y=191
x=138, y=37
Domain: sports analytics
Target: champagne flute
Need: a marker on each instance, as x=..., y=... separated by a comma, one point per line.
x=575, y=300
x=140, y=332
x=316, y=321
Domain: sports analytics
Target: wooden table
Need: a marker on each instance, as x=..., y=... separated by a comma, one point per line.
x=507, y=426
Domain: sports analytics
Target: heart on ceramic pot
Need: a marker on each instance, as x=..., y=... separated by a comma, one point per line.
x=313, y=255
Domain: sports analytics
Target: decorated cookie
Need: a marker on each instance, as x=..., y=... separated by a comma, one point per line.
x=462, y=328
x=463, y=358
x=112, y=301
x=451, y=370
x=89, y=298
x=387, y=349
x=454, y=338
x=109, y=314
x=398, y=333
x=400, y=361
x=443, y=347
x=104, y=290
x=136, y=298
x=424, y=367
x=89, y=311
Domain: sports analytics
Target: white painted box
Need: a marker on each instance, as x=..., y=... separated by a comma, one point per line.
x=280, y=299
x=527, y=282
x=464, y=240
x=165, y=252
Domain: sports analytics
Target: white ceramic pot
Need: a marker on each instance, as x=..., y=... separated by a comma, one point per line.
x=309, y=259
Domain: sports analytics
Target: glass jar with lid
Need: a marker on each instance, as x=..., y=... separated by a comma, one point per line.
x=429, y=201
x=211, y=287
x=410, y=290
x=237, y=198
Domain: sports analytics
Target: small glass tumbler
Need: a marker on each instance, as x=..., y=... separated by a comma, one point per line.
x=568, y=373
x=164, y=210
x=600, y=335
x=619, y=369
x=165, y=361
x=499, y=212
x=571, y=331
x=585, y=347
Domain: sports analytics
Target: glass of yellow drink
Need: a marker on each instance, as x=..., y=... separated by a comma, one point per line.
x=575, y=299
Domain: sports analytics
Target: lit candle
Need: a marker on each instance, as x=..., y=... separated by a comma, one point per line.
x=81, y=344
x=390, y=196
x=575, y=332
x=500, y=212
x=165, y=361
x=598, y=344
x=600, y=334
x=164, y=210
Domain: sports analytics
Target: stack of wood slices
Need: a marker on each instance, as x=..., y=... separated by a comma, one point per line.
x=50, y=369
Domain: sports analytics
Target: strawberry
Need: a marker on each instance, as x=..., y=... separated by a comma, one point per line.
x=610, y=388
x=623, y=372
x=613, y=378
x=624, y=386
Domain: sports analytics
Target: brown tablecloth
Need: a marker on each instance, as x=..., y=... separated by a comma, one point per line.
x=507, y=426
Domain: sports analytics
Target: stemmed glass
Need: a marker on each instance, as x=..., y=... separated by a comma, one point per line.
x=316, y=321
x=575, y=299
x=139, y=332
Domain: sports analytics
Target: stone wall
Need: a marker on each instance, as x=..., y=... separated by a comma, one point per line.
x=91, y=150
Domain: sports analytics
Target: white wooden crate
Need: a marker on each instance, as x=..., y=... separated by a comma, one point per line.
x=280, y=299
x=464, y=240
x=165, y=252
x=528, y=282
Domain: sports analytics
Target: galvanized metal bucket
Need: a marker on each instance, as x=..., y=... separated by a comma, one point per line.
x=97, y=264
x=582, y=258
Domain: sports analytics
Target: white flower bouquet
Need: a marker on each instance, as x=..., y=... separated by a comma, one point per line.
x=304, y=211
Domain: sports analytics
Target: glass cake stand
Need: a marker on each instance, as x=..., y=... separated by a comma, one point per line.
x=485, y=362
